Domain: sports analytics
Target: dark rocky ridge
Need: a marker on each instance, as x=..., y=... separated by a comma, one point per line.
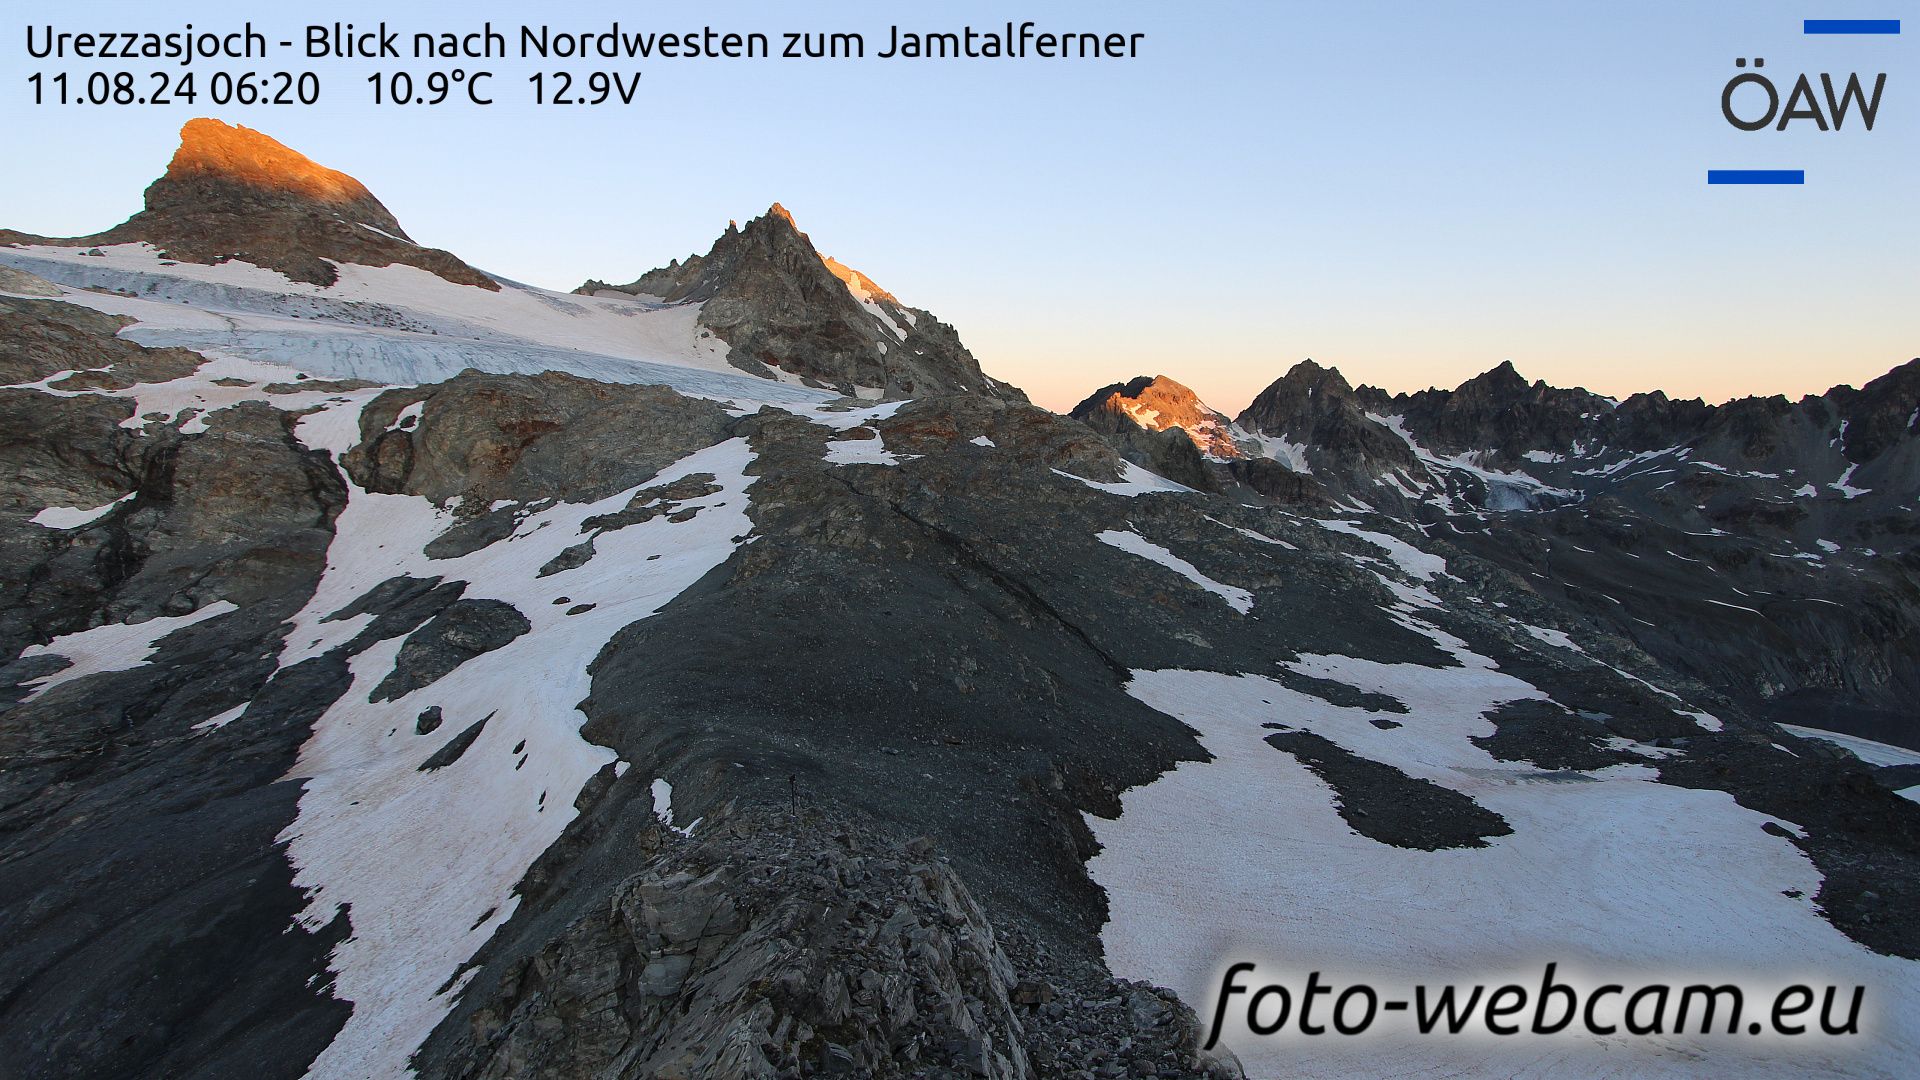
x=139, y=866
x=233, y=193
x=775, y=945
x=1315, y=407
x=1387, y=805
x=778, y=303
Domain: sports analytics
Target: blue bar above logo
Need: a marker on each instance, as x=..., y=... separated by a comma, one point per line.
x=1851, y=26
x=1756, y=176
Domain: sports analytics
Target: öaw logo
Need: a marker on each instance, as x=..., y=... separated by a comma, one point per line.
x=1753, y=100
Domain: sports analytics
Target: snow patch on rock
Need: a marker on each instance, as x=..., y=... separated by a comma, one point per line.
x=1132, y=543
x=425, y=862
x=112, y=647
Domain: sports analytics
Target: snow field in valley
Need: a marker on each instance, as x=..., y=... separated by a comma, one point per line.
x=1609, y=874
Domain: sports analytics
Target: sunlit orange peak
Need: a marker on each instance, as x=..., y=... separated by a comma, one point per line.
x=860, y=284
x=209, y=148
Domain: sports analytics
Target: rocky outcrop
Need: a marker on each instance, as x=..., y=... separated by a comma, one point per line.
x=464, y=630
x=42, y=338
x=24, y=284
x=1881, y=414
x=773, y=948
x=1273, y=480
x=779, y=304
x=232, y=193
x=482, y=439
x=183, y=519
x=1314, y=408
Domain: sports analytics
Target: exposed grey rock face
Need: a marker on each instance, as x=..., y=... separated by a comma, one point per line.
x=463, y=630
x=1381, y=802
x=1497, y=413
x=219, y=516
x=770, y=295
x=138, y=864
x=481, y=439
x=41, y=338
x=1314, y=407
x=767, y=947
x=1878, y=416
x=1272, y=480
x=455, y=747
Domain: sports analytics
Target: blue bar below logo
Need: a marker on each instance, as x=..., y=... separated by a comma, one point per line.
x=1850, y=26
x=1756, y=176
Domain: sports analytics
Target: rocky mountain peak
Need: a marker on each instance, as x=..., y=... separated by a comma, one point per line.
x=1307, y=390
x=1499, y=411
x=233, y=193
x=1310, y=376
x=1314, y=410
x=784, y=308
x=1881, y=413
x=215, y=153
x=1504, y=378
x=1157, y=403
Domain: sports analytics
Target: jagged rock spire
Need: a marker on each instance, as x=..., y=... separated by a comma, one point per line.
x=785, y=308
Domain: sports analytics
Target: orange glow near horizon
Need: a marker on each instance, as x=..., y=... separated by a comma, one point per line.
x=1228, y=382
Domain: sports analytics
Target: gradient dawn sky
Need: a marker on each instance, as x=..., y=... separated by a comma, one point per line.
x=1410, y=191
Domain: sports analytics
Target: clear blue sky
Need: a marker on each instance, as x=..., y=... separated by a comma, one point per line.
x=1412, y=191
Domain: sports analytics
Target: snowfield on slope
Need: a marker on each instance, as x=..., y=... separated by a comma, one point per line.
x=1608, y=874
x=400, y=325
x=425, y=862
